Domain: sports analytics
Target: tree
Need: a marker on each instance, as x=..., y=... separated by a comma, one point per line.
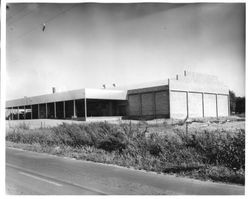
x=232, y=102
x=237, y=104
x=240, y=105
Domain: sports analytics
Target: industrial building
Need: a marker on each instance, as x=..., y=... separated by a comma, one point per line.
x=190, y=95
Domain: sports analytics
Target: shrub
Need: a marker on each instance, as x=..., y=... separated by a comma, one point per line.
x=29, y=136
x=233, y=153
x=155, y=145
x=216, y=155
x=224, y=148
x=71, y=134
x=113, y=142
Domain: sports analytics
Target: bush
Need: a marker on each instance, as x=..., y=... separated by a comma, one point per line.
x=30, y=136
x=233, y=153
x=71, y=134
x=155, y=145
x=222, y=153
x=218, y=148
x=115, y=141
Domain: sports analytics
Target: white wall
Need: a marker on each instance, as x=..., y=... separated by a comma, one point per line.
x=222, y=105
x=195, y=105
x=178, y=105
x=209, y=105
x=195, y=85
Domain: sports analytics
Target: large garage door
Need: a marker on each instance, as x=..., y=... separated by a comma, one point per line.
x=209, y=105
x=178, y=105
x=162, y=103
x=222, y=101
x=134, y=105
x=195, y=105
x=148, y=104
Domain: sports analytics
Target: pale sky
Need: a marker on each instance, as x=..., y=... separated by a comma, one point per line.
x=88, y=45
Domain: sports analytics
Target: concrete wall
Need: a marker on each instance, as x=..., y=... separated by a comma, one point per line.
x=197, y=95
x=178, y=104
x=197, y=82
x=222, y=101
x=195, y=107
x=210, y=105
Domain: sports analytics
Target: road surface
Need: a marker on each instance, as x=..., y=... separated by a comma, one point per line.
x=29, y=173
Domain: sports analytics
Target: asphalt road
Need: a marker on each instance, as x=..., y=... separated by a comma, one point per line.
x=30, y=173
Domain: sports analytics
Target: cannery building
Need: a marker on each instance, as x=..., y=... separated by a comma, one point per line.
x=191, y=95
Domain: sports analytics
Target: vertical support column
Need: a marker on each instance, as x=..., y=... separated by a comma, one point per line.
x=187, y=104
x=64, y=112
x=31, y=114
x=85, y=109
x=203, y=114
x=228, y=97
x=74, y=108
x=18, y=113
x=6, y=113
x=11, y=113
x=216, y=99
x=55, y=110
x=38, y=111
x=24, y=112
x=46, y=110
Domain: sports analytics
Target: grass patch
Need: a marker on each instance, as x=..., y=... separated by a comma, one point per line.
x=215, y=155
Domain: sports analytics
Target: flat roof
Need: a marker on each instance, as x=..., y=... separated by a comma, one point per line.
x=105, y=94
